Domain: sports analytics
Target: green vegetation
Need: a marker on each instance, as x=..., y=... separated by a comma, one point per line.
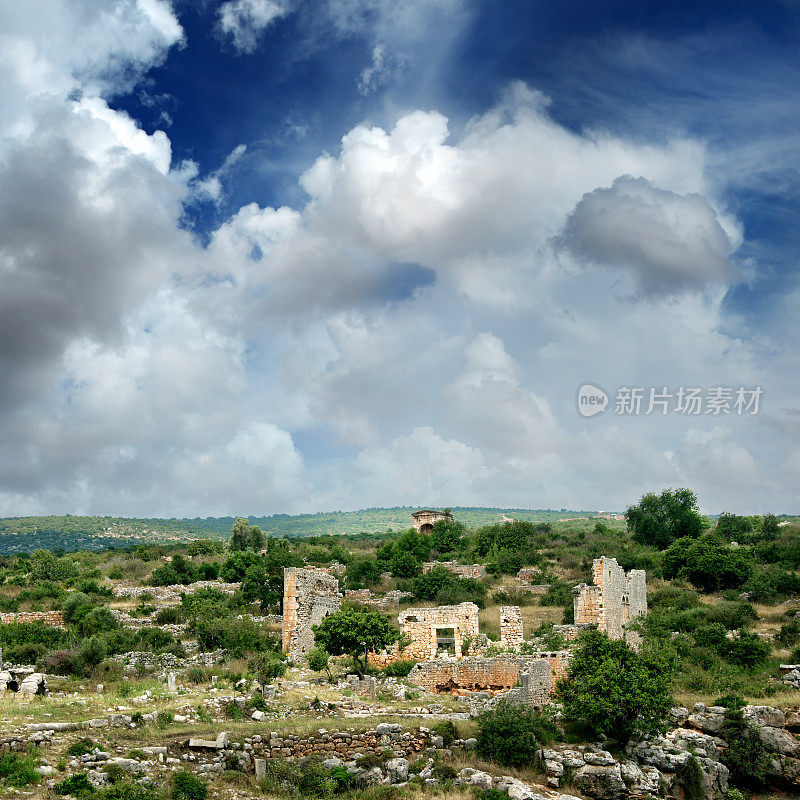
x=187, y=786
x=355, y=632
x=615, y=690
x=510, y=734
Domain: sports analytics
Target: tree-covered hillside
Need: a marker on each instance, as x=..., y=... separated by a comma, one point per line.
x=25, y=534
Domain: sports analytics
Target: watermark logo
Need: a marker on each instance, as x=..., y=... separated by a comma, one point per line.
x=591, y=400
x=685, y=400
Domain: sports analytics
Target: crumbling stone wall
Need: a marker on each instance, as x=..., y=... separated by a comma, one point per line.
x=54, y=618
x=477, y=571
x=529, y=574
x=615, y=599
x=424, y=627
x=364, y=596
x=494, y=675
x=309, y=595
x=170, y=595
x=511, y=633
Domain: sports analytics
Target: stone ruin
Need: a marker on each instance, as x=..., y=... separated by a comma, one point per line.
x=442, y=628
x=613, y=601
x=511, y=630
x=53, y=618
x=477, y=571
x=425, y=519
x=531, y=678
x=309, y=595
x=23, y=680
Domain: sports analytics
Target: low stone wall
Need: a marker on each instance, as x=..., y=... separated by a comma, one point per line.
x=529, y=573
x=54, y=618
x=170, y=595
x=145, y=660
x=365, y=597
x=477, y=571
x=341, y=744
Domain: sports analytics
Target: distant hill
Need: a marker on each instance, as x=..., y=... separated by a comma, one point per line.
x=25, y=534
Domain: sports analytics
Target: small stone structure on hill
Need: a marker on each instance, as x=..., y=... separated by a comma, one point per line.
x=424, y=519
x=613, y=601
x=309, y=595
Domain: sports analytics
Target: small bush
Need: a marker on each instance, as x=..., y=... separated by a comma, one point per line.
x=76, y=786
x=196, y=674
x=80, y=747
x=693, y=780
x=444, y=772
x=508, y=734
x=747, y=757
x=447, y=730
x=169, y=616
x=164, y=718
x=399, y=669
x=115, y=772
x=187, y=786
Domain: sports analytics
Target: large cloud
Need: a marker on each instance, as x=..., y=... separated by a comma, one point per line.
x=670, y=242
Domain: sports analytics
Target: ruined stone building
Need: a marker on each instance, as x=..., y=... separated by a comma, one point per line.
x=445, y=628
x=477, y=571
x=309, y=595
x=424, y=519
x=615, y=599
x=528, y=679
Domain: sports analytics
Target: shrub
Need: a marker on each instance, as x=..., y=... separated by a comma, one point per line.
x=447, y=730
x=746, y=757
x=80, y=747
x=187, y=786
x=115, y=772
x=748, y=650
x=76, y=786
x=169, y=616
x=399, y=669
x=318, y=660
x=164, y=718
x=196, y=674
x=789, y=633
x=59, y=662
x=693, y=780
x=508, y=734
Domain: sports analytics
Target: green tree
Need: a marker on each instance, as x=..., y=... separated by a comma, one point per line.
x=769, y=526
x=708, y=562
x=355, y=632
x=405, y=565
x=659, y=520
x=615, y=690
x=363, y=572
x=245, y=536
x=447, y=535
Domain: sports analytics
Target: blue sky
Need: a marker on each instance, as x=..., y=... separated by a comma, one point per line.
x=269, y=256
